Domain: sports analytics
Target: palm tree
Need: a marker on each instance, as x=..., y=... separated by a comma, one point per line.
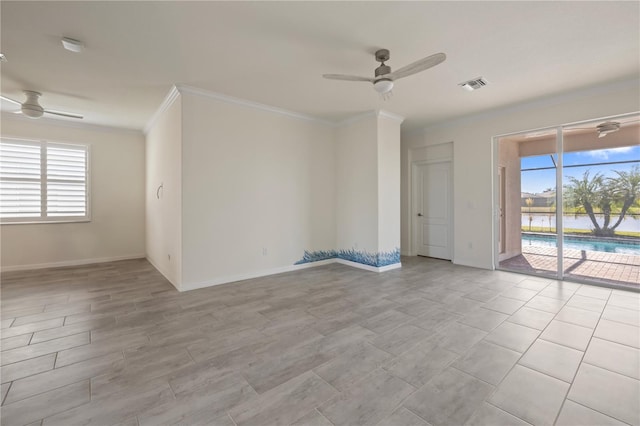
x=529, y=203
x=626, y=190
x=591, y=192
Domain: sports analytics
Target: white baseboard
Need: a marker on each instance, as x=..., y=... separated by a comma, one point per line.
x=367, y=267
x=471, y=263
x=64, y=263
x=250, y=275
x=164, y=273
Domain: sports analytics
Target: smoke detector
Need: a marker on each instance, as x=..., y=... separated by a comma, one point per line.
x=474, y=84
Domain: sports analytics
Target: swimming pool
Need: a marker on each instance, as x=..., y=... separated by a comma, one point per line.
x=584, y=243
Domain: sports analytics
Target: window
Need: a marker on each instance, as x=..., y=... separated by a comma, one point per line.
x=43, y=182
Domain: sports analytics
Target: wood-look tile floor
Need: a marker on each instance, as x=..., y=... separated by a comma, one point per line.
x=431, y=343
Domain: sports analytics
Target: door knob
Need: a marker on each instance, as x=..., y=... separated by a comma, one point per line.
x=419, y=214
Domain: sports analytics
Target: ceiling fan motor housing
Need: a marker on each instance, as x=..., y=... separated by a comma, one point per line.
x=383, y=70
x=31, y=108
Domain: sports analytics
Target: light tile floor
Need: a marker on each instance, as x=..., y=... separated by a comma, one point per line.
x=429, y=344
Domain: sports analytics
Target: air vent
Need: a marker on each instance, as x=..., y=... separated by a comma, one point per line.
x=474, y=84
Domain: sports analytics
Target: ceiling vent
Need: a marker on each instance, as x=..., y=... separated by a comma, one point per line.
x=474, y=84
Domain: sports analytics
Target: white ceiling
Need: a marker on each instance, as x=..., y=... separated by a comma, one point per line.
x=275, y=53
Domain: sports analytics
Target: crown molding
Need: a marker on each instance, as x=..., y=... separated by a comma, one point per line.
x=392, y=116
x=355, y=118
x=166, y=103
x=69, y=124
x=183, y=89
x=373, y=113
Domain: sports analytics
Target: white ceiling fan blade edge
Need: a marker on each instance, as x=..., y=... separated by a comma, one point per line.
x=4, y=98
x=347, y=77
x=64, y=114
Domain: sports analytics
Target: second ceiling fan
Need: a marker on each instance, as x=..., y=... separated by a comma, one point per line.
x=32, y=108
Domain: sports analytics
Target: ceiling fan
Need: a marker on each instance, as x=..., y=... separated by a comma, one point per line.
x=383, y=77
x=603, y=129
x=32, y=109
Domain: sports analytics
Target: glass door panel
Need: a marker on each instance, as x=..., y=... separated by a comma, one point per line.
x=527, y=169
x=601, y=189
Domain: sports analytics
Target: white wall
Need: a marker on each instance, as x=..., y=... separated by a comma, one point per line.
x=258, y=190
x=357, y=185
x=116, y=230
x=163, y=214
x=473, y=158
x=388, y=183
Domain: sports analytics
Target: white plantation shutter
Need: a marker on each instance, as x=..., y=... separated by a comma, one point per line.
x=20, y=180
x=42, y=181
x=66, y=181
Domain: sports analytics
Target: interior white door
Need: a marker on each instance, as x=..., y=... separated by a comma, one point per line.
x=432, y=209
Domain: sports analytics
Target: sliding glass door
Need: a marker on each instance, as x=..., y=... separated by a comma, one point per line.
x=570, y=202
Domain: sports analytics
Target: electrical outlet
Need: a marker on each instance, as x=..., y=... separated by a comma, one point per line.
x=264, y=251
x=470, y=245
x=169, y=257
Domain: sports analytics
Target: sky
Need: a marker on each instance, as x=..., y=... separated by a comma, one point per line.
x=538, y=181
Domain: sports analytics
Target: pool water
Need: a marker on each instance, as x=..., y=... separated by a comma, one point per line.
x=584, y=243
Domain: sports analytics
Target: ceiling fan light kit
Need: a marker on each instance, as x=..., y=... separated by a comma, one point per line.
x=384, y=78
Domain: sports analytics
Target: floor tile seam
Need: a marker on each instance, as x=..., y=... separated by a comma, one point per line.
x=313, y=371
x=569, y=322
x=89, y=379
x=482, y=329
x=52, y=318
x=44, y=329
x=592, y=408
x=566, y=393
x=40, y=393
x=511, y=349
x=621, y=322
x=609, y=370
x=6, y=394
x=403, y=400
x=613, y=341
x=322, y=415
x=320, y=404
x=47, y=353
x=118, y=349
x=495, y=387
x=10, y=311
x=227, y=412
x=549, y=375
x=504, y=411
x=414, y=413
x=584, y=353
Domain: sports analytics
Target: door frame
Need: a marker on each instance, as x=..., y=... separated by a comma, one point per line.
x=413, y=226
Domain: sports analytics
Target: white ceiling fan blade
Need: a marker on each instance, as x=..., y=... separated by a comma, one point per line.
x=63, y=114
x=417, y=66
x=347, y=77
x=4, y=98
